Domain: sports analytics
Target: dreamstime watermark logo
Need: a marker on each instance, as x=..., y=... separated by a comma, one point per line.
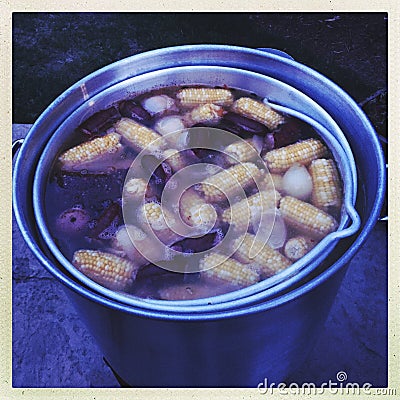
x=340, y=386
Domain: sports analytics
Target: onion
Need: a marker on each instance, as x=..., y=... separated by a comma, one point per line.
x=169, y=124
x=182, y=140
x=297, y=182
x=158, y=104
x=272, y=226
x=173, y=126
x=124, y=239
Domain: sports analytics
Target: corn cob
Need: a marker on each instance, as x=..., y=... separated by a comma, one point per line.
x=303, y=152
x=195, y=211
x=136, y=188
x=240, y=151
x=91, y=150
x=175, y=159
x=258, y=111
x=229, y=182
x=306, y=218
x=160, y=221
x=203, y=113
x=138, y=136
x=191, y=97
x=298, y=246
x=245, y=211
x=326, y=184
x=219, y=267
x=107, y=269
x=268, y=260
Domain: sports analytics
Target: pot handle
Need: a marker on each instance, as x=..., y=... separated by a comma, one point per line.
x=276, y=52
x=347, y=203
x=345, y=232
x=355, y=222
x=384, y=212
x=16, y=145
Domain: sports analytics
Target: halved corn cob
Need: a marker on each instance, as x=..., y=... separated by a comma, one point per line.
x=229, y=182
x=298, y=246
x=107, y=269
x=266, y=259
x=91, y=150
x=160, y=220
x=219, y=267
x=240, y=151
x=203, y=113
x=326, y=184
x=307, y=218
x=246, y=211
x=303, y=152
x=136, y=188
x=191, y=97
x=175, y=159
x=195, y=211
x=258, y=111
x=138, y=136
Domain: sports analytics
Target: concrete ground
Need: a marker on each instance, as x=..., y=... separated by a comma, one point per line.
x=51, y=345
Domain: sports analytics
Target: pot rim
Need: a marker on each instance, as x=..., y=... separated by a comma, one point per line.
x=257, y=54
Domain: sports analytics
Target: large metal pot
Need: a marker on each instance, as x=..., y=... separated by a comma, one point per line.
x=156, y=348
x=280, y=92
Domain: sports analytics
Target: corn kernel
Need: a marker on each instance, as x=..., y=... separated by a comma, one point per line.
x=219, y=267
x=191, y=97
x=326, y=184
x=303, y=152
x=258, y=111
x=229, y=182
x=91, y=150
x=307, y=218
x=252, y=250
x=109, y=270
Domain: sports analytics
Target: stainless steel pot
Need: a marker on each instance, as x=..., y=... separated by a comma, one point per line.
x=212, y=75
x=267, y=339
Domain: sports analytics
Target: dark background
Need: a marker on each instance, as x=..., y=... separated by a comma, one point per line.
x=53, y=51
x=51, y=345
